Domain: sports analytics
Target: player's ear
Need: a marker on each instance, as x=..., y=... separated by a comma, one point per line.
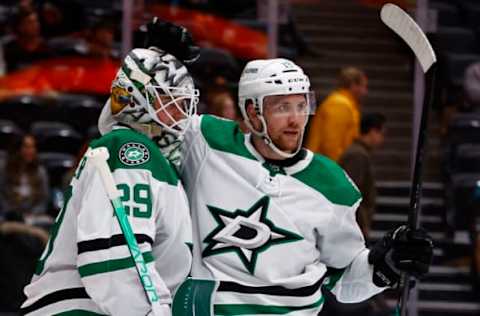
x=250, y=109
x=253, y=115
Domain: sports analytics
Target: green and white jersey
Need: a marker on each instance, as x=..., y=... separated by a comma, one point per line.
x=272, y=235
x=86, y=266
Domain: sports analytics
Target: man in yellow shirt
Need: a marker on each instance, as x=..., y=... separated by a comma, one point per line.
x=337, y=120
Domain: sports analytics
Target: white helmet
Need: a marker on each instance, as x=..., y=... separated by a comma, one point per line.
x=266, y=77
x=147, y=75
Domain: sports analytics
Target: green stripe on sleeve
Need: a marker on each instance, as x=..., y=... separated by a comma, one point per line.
x=111, y=265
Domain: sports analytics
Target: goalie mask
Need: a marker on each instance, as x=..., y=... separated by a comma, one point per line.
x=153, y=93
x=273, y=77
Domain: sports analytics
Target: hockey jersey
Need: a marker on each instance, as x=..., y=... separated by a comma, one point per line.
x=86, y=266
x=272, y=235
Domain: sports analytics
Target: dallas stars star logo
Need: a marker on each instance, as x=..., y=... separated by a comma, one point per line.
x=247, y=233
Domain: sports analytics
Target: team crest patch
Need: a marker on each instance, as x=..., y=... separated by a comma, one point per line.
x=133, y=154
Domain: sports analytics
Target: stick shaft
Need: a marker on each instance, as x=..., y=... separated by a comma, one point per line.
x=416, y=189
x=99, y=158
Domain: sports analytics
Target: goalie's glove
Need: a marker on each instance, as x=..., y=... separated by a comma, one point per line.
x=401, y=250
x=172, y=39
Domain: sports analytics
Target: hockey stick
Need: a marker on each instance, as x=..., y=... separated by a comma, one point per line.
x=405, y=27
x=98, y=157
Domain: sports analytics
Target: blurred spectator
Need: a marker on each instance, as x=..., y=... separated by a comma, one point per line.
x=28, y=45
x=357, y=162
x=336, y=122
x=25, y=5
x=100, y=40
x=471, y=86
x=470, y=101
x=3, y=69
x=215, y=66
x=21, y=246
x=221, y=103
x=24, y=186
x=61, y=17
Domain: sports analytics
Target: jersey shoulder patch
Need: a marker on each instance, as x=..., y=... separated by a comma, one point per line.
x=328, y=178
x=129, y=149
x=224, y=135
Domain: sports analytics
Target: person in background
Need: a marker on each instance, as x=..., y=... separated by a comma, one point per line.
x=100, y=40
x=28, y=45
x=357, y=162
x=221, y=103
x=336, y=122
x=21, y=246
x=24, y=185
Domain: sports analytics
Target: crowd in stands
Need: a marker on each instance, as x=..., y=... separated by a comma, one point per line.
x=456, y=41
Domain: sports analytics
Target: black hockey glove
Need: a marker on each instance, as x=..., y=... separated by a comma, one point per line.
x=402, y=250
x=173, y=39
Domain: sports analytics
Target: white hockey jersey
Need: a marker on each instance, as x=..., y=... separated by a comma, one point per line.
x=272, y=235
x=86, y=268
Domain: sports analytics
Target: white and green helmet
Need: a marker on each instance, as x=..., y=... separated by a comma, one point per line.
x=265, y=77
x=146, y=76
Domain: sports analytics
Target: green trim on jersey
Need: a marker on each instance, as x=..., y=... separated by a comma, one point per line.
x=157, y=164
x=326, y=177
x=54, y=232
x=252, y=309
x=111, y=265
x=194, y=297
x=334, y=276
x=224, y=135
x=78, y=312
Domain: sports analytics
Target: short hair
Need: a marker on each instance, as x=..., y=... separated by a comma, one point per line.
x=349, y=76
x=372, y=121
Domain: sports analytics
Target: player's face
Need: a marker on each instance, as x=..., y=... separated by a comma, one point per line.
x=169, y=111
x=286, y=117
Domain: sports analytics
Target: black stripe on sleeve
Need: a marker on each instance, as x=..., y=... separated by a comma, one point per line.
x=105, y=243
x=227, y=286
x=54, y=297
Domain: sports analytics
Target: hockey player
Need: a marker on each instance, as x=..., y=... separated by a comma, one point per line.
x=273, y=221
x=86, y=267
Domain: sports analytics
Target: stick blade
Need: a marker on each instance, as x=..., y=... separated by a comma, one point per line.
x=403, y=25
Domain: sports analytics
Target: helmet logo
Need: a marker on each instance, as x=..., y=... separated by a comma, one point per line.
x=132, y=154
x=251, y=70
x=288, y=64
x=120, y=98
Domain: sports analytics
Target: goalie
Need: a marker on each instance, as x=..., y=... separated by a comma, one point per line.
x=86, y=267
